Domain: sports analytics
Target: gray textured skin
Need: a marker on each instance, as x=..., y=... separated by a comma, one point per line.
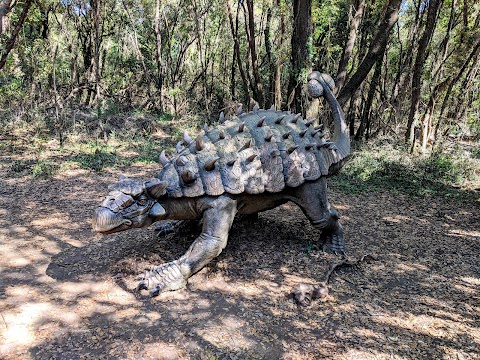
x=275, y=157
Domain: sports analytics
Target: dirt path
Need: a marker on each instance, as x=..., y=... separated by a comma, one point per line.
x=66, y=293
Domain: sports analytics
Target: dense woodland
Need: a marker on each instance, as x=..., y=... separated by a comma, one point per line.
x=405, y=69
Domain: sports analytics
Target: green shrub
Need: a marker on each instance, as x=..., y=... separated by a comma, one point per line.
x=381, y=168
x=44, y=169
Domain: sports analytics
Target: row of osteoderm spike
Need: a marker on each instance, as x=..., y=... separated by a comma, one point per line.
x=189, y=177
x=260, y=123
x=199, y=142
x=209, y=165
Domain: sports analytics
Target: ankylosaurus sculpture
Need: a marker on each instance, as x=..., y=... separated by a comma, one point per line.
x=246, y=164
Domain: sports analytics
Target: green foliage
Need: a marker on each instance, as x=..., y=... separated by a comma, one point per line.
x=49, y=80
x=124, y=139
x=165, y=117
x=97, y=157
x=19, y=166
x=44, y=169
x=378, y=169
x=329, y=19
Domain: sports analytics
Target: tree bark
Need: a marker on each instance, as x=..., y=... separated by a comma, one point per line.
x=96, y=54
x=236, y=45
x=451, y=22
x=5, y=8
x=13, y=37
x=363, y=129
x=348, y=49
x=433, y=7
x=268, y=49
x=257, y=83
x=158, y=54
x=427, y=118
x=375, y=51
x=201, y=58
x=302, y=10
x=473, y=54
x=279, y=62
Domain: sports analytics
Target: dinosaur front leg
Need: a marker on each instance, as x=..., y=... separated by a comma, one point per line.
x=217, y=219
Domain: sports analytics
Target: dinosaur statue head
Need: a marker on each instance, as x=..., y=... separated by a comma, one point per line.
x=130, y=204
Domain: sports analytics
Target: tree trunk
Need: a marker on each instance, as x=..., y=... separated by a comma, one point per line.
x=5, y=8
x=158, y=54
x=96, y=54
x=375, y=51
x=433, y=8
x=44, y=12
x=268, y=49
x=427, y=118
x=443, y=49
x=236, y=45
x=233, y=75
x=279, y=62
x=257, y=83
x=473, y=55
x=348, y=49
x=403, y=77
x=247, y=57
x=301, y=31
x=366, y=115
x=13, y=37
x=201, y=57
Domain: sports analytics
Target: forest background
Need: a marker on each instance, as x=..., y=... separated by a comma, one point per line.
x=106, y=83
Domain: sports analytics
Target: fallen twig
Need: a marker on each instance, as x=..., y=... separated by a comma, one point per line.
x=304, y=293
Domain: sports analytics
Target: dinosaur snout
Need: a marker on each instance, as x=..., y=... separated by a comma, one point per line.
x=105, y=220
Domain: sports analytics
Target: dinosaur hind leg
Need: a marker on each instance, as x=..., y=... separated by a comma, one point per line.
x=312, y=199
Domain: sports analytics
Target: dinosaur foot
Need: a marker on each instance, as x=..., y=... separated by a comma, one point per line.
x=166, y=277
x=334, y=244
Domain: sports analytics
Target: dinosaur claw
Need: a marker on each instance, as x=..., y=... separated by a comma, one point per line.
x=142, y=285
x=162, y=278
x=140, y=277
x=155, y=291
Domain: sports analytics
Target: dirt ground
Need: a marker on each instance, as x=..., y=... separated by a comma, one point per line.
x=67, y=293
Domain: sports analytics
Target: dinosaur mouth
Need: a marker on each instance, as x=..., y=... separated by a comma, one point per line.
x=106, y=221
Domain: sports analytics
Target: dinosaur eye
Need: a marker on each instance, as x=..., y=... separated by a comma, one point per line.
x=142, y=202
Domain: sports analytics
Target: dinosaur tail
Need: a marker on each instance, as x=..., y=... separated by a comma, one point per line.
x=340, y=136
